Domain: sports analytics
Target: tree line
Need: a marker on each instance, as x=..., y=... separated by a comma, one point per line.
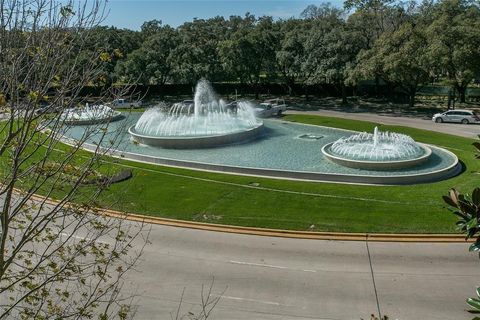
x=400, y=45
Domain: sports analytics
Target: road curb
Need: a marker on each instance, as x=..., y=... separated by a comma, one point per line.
x=311, y=235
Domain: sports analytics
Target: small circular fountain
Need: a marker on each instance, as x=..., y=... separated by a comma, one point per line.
x=377, y=151
x=89, y=115
x=207, y=122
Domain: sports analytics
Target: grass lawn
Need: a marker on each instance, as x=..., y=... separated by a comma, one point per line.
x=272, y=203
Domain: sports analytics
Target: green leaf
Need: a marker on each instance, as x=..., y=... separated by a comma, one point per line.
x=476, y=196
x=478, y=291
x=473, y=248
x=477, y=145
x=474, y=303
x=449, y=201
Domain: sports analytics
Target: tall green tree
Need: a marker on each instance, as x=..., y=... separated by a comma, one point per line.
x=196, y=55
x=292, y=51
x=249, y=54
x=332, y=48
x=152, y=62
x=399, y=57
x=454, y=42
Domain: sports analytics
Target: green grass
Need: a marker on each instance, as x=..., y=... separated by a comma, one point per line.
x=271, y=203
x=250, y=201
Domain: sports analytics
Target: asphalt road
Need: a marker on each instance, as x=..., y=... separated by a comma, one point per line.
x=469, y=130
x=278, y=278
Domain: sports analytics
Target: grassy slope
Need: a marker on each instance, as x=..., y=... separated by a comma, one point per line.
x=251, y=201
x=227, y=199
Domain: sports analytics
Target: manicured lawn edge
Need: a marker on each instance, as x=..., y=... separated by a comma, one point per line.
x=189, y=195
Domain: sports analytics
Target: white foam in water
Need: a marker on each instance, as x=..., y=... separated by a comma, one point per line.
x=206, y=117
x=379, y=146
x=89, y=113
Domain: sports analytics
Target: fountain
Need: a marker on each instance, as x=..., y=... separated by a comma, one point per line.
x=207, y=122
x=89, y=115
x=377, y=151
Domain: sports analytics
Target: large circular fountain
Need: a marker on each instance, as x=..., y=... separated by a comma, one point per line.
x=90, y=114
x=207, y=122
x=377, y=151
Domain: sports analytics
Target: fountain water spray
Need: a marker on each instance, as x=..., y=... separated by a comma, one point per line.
x=90, y=114
x=380, y=150
x=205, y=121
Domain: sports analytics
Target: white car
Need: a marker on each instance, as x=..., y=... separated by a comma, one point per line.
x=270, y=108
x=460, y=116
x=124, y=104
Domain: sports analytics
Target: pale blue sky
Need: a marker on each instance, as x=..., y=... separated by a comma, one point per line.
x=132, y=13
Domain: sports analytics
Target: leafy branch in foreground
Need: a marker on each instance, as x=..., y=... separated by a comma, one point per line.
x=58, y=260
x=467, y=209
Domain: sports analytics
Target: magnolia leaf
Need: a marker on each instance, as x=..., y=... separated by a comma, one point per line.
x=476, y=196
x=454, y=196
x=475, y=303
x=449, y=201
x=474, y=248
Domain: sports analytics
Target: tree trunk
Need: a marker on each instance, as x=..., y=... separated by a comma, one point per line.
x=462, y=93
x=411, y=100
x=344, y=95
x=290, y=85
x=307, y=97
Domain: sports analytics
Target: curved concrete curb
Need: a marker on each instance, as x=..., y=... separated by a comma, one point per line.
x=334, y=236
x=200, y=141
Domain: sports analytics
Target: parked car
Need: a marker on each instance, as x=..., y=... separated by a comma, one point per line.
x=460, y=116
x=124, y=104
x=270, y=108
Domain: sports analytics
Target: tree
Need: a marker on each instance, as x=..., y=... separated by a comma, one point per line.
x=152, y=62
x=58, y=260
x=332, y=48
x=249, y=54
x=196, y=55
x=454, y=42
x=113, y=43
x=399, y=57
x=292, y=51
x=151, y=27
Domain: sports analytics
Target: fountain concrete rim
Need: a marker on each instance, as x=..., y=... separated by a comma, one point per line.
x=117, y=115
x=199, y=142
x=310, y=176
x=378, y=165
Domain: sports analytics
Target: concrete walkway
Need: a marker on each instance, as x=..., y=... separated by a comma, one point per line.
x=468, y=131
x=277, y=278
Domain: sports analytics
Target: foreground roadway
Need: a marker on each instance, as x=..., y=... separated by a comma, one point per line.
x=278, y=278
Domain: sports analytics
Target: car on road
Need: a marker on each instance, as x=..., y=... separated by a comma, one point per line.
x=270, y=108
x=124, y=104
x=460, y=116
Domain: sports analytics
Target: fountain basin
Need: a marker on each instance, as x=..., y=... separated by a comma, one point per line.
x=90, y=115
x=278, y=153
x=87, y=122
x=377, y=165
x=198, y=142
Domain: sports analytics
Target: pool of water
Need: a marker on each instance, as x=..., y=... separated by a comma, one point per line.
x=284, y=146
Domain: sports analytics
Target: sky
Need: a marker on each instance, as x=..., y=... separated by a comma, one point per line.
x=132, y=13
